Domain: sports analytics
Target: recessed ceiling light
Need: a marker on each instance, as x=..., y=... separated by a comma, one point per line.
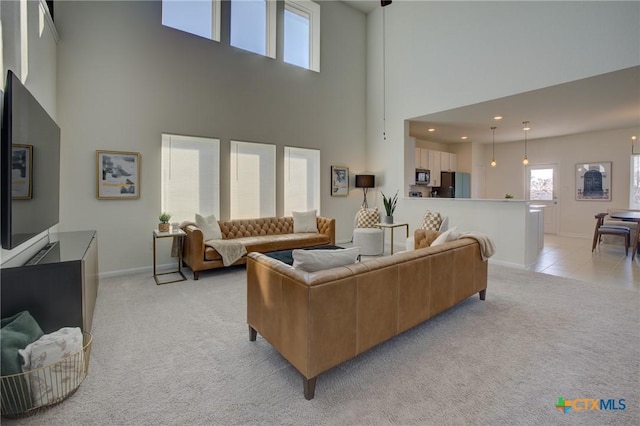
x=463, y=138
x=498, y=117
x=431, y=129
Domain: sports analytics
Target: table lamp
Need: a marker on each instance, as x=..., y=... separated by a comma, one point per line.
x=365, y=182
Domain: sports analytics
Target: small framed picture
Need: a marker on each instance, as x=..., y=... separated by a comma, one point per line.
x=593, y=181
x=118, y=175
x=339, y=181
x=21, y=171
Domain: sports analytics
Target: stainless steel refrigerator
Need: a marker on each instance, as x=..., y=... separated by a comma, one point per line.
x=455, y=185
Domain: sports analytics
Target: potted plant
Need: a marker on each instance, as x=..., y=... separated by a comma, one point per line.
x=389, y=206
x=164, y=226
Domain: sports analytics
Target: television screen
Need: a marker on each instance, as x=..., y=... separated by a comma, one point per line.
x=30, y=156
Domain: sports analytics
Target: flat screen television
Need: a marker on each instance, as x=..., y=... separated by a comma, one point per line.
x=30, y=166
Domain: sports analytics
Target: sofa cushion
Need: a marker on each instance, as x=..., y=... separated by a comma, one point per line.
x=318, y=260
x=209, y=226
x=367, y=218
x=305, y=221
x=449, y=235
x=431, y=221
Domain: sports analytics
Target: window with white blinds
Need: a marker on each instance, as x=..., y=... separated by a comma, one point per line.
x=301, y=180
x=190, y=176
x=252, y=184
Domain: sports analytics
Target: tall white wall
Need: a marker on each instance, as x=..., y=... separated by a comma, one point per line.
x=124, y=79
x=443, y=55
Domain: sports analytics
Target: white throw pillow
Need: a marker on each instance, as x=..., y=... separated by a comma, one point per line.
x=51, y=385
x=305, y=221
x=209, y=226
x=317, y=260
x=450, y=235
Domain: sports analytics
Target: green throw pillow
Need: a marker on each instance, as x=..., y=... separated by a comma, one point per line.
x=16, y=332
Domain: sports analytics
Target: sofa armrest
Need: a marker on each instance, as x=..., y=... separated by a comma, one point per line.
x=327, y=227
x=193, y=250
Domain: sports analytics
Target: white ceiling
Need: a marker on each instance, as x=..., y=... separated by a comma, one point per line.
x=604, y=102
x=365, y=6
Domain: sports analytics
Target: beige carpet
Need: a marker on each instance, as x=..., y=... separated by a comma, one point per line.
x=179, y=354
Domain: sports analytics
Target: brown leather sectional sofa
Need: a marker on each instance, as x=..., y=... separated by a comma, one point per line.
x=260, y=235
x=317, y=320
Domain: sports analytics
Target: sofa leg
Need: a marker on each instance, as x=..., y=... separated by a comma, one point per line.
x=196, y=275
x=309, y=387
x=252, y=334
x=483, y=294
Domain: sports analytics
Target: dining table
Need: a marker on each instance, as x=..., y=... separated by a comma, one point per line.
x=630, y=216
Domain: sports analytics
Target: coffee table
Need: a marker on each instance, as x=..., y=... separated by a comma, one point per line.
x=286, y=256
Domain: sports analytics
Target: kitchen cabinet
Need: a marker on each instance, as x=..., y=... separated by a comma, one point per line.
x=434, y=167
x=422, y=158
x=436, y=162
x=448, y=162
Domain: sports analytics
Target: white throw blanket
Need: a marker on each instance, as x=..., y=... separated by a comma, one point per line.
x=487, y=247
x=230, y=250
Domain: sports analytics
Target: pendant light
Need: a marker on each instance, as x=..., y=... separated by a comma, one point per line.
x=525, y=128
x=493, y=149
x=384, y=3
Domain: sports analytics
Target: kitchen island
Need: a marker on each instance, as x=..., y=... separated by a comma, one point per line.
x=511, y=224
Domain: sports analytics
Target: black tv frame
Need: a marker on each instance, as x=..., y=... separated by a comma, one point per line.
x=31, y=125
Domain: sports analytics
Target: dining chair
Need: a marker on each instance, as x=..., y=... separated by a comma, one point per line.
x=602, y=229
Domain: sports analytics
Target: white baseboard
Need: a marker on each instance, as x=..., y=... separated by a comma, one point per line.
x=142, y=270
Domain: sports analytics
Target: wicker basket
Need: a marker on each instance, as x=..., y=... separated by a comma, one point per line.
x=61, y=380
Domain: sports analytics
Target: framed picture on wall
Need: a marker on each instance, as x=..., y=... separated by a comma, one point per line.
x=117, y=175
x=21, y=171
x=593, y=181
x=339, y=181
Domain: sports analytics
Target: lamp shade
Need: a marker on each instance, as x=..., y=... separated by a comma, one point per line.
x=365, y=181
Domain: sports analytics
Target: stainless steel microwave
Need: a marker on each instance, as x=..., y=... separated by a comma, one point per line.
x=423, y=177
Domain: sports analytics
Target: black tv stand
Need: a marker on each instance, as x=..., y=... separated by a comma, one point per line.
x=58, y=286
x=41, y=254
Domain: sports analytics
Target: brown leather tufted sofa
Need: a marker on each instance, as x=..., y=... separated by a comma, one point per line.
x=317, y=320
x=262, y=235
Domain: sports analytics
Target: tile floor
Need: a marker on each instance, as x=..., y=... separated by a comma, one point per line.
x=572, y=258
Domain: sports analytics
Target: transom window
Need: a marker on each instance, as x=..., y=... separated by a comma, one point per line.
x=253, y=26
x=302, y=34
x=198, y=17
